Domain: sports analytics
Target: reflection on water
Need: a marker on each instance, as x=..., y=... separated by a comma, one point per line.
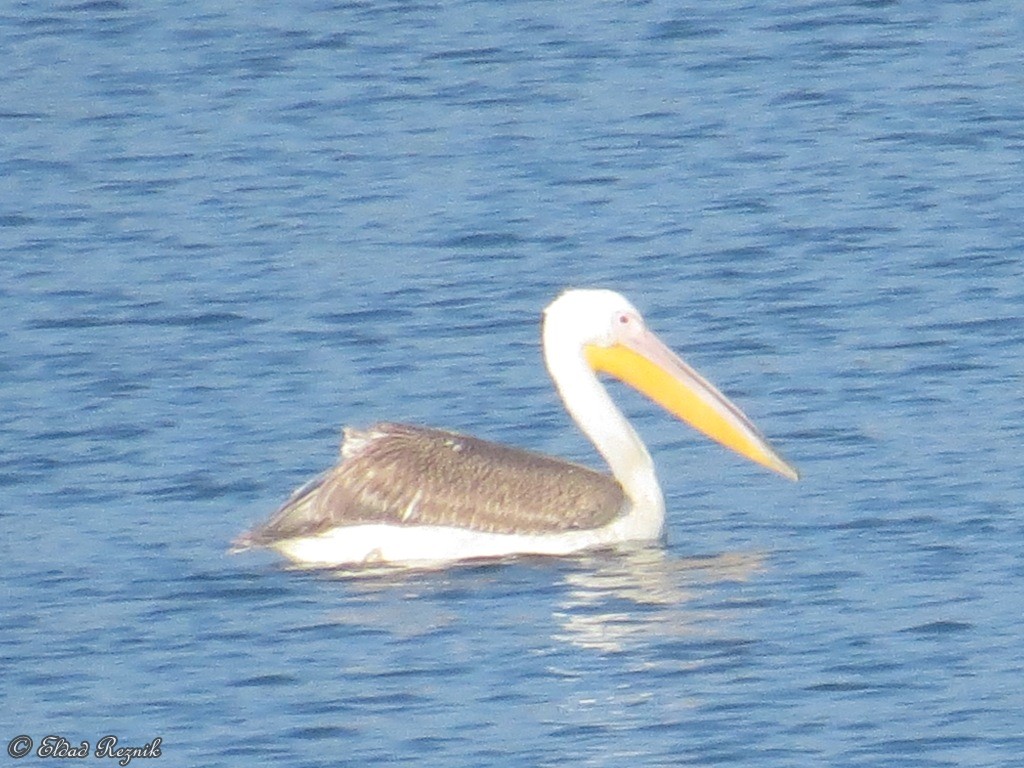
x=606, y=601
x=614, y=601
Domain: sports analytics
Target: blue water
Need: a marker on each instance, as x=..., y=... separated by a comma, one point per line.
x=229, y=229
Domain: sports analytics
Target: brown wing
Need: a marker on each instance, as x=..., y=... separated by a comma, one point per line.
x=395, y=473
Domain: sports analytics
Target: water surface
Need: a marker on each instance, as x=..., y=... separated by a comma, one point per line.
x=226, y=231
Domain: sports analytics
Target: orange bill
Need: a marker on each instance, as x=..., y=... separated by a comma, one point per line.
x=650, y=367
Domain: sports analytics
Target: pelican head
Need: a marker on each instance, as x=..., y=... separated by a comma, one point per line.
x=601, y=331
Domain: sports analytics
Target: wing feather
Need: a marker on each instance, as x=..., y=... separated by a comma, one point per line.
x=402, y=474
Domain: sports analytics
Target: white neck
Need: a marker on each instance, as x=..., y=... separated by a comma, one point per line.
x=594, y=412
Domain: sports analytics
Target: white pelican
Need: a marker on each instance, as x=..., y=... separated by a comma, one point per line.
x=407, y=494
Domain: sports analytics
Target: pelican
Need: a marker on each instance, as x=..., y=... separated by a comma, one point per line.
x=411, y=495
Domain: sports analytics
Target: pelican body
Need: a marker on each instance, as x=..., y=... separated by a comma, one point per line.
x=407, y=494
